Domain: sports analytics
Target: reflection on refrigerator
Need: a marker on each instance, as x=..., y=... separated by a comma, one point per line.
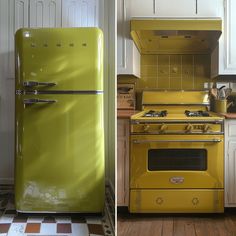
x=59, y=156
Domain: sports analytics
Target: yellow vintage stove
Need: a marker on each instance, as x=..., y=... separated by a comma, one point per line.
x=177, y=156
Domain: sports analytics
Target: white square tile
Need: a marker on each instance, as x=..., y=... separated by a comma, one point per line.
x=80, y=229
x=94, y=220
x=48, y=228
x=17, y=229
x=6, y=219
x=3, y=234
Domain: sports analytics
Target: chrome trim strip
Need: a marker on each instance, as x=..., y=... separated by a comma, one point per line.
x=177, y=133
x=214, y=121
x=135, y=141
x=177, y=104
x=37, y=92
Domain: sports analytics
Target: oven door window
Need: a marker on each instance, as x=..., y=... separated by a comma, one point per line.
x=177, y=159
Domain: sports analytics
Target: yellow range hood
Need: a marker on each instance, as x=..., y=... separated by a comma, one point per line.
x=175, y=36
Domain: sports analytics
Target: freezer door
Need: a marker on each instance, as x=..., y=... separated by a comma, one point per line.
x=59, y=153
x=59, y=59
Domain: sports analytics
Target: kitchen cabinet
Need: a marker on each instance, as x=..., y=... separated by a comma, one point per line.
x=183, y=8
x=166, y=8
x=142, y=8
x=80, y=13
x=128, y=57
x=209, y=8
x=122, y=162
x=227, y=44
x=230, y=162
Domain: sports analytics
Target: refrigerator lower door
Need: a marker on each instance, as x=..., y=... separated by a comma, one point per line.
x=59, y=153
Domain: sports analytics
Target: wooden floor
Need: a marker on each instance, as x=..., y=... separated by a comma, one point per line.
x=180, y=225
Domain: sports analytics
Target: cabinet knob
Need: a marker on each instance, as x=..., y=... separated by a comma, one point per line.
x=189, y=128
x=163, y=127
x=206, y=128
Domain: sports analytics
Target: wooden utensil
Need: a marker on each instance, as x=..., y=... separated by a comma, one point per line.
x=214, y=92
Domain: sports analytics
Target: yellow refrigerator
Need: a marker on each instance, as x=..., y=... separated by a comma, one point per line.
x=59, y=141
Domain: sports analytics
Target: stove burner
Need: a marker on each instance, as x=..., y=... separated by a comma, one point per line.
x=152, y=113
x=196, y=113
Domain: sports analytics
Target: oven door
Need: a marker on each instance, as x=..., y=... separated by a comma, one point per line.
x=176, y=162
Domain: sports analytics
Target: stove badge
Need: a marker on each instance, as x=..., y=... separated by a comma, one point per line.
x=177, y=180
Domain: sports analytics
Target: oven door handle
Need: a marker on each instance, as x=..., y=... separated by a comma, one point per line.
x=178, y=141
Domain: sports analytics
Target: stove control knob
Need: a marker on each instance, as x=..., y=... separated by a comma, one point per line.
x=146, y=128
x=189, y=128
x=163, y=127
x=206, y=128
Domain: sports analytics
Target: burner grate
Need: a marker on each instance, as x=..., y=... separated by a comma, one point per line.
x=153, y=113
x=196, y=113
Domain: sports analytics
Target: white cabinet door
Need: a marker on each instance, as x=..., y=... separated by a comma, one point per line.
x=142, y=8
x=45, y=13
x=182, y=8
x=128, y=57
x=155, y=8
x=227, y=48
x=80, y=13
x=230, y=163
x=209, y=8
x=122, y=162
x=230, y=191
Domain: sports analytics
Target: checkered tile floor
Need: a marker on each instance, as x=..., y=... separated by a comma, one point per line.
x=13, y=224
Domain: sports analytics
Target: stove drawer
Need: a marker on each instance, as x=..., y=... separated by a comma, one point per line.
x=177, y=201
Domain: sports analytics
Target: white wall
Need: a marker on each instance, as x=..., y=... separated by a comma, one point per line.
x=7, y=99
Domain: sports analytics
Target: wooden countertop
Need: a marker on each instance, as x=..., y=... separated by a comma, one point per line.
x=229, y=115
x=125, y=114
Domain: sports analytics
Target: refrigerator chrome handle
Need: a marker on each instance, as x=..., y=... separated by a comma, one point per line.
x=36, y=101
x=35, y=83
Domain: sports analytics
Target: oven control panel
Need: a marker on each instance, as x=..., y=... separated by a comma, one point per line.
x=177, y=128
